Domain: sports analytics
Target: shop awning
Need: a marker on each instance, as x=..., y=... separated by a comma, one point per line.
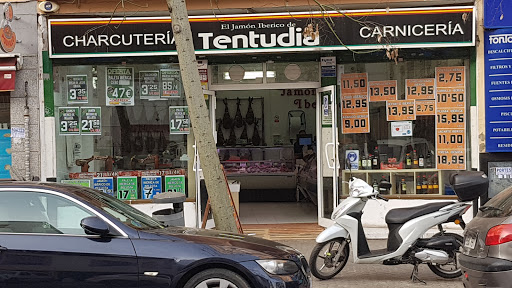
x=7, y=73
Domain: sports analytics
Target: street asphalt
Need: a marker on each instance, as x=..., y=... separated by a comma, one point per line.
x=374, y=275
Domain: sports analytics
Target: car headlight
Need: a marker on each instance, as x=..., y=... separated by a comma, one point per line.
x=278, y=267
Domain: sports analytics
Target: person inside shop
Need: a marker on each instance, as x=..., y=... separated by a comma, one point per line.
x=303, y=139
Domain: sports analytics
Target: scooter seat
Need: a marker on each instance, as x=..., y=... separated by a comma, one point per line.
x=402, y=215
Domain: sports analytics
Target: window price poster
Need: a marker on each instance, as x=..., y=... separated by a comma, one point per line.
x=127, y=188
x=120, y=86
x=451, y=117
x=179, y=121
x=175, y=183
x=105, y=184
x=171, y=83
x=149, y=85
x=400, y=110
x=420, y=89
x=150, y=186
x=77, y=89
x=90, y=120
x=69, y=121
x=355, y=107
x=383, y=90
x=79, y=182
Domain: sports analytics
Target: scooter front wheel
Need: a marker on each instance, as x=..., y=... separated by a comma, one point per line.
x=328, y=258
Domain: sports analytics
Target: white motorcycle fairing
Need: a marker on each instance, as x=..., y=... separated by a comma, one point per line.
x=332, y=232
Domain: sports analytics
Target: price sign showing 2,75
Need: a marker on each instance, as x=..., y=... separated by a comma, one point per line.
x=450, y=77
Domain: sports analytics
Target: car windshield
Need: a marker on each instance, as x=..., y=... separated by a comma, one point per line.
x=125, y=213
x=499, y=205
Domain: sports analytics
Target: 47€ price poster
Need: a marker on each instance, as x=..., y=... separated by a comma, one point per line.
x=120, y=83
x=451, y=118
x=69, y=121
x=77, y=89
x=179, y=121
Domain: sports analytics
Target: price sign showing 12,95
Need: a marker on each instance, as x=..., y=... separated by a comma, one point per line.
x=450, y=77
x=400, y=110
x=354, y=84
x=382, y=90
x=355, y=123
x=354, y=104
x=419, y=88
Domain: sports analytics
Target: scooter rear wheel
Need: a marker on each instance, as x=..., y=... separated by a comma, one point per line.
x=452, y=269
x=322, y=259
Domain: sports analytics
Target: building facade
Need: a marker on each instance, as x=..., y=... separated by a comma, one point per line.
x=296, y=92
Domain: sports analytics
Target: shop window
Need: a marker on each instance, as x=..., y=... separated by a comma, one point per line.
x=122, y=128
x=415, y=153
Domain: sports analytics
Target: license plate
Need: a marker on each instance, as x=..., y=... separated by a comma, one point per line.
x=470, y=241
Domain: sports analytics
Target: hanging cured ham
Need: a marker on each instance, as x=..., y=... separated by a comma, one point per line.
x=239, y=121
x=226, y=120
x=220, y=135
x=244, y=134
x=256, y=135
x=232, y=137
x=249, y=117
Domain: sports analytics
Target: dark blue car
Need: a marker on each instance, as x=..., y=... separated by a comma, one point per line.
x=55, y=235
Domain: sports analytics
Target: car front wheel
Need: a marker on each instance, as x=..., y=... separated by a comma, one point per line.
x=217, y=278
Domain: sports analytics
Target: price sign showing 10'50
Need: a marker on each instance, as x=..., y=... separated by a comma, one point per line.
x=450, y=97
x=419, y=88
x=400, y=110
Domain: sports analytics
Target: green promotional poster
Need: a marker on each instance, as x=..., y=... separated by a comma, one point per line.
x=69, y=121
x=175, y=183
x=77, y=89
x=149, y=85
x=79, y=182
x=179, y=121
x=171, y=82
x=127, y=188
x=90, y=120
x=120, y=83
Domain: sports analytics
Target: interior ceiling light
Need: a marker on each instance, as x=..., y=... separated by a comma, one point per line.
x=292, y=72
x=236, y=73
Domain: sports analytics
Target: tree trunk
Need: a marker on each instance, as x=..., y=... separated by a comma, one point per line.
x=215, y=182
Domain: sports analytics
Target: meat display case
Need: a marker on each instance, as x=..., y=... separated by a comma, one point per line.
x=260, y=167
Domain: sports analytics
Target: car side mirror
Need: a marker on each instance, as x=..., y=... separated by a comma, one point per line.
x=95, y=226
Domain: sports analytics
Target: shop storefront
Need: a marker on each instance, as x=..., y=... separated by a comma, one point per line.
x=296, y=98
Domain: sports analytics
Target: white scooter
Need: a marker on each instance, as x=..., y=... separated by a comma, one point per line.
x=406, y=227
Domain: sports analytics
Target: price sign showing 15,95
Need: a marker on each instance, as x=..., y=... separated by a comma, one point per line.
x=354, y=84
x=382, y=90
x=450, y=77
x=450, y=118
x=419, y=88
x=400, y=110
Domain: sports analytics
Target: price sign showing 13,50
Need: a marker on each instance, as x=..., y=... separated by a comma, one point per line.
x=400, y=110
x=383, y=90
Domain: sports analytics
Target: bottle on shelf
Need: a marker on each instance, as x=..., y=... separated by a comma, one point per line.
x=424, y=184
x=421, y=161
x=403, y=186
x=435, y=184
x=418, y=185
x=428, y=160
x=431, y=184
x=375, y=159
x=369, y=162
x=415, y=164
x=408, y=161
x=363, y=162
x=375, y=185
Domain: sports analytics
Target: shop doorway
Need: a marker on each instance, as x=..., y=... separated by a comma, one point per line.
x=266, y=141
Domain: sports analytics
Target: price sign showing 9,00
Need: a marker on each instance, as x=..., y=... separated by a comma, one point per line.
x=355, y=123
x=400, y=110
